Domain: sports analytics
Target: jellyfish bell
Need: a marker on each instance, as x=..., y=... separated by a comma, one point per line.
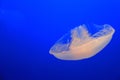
x=80, y=43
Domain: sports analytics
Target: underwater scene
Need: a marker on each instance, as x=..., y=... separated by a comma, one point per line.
x=59, y=40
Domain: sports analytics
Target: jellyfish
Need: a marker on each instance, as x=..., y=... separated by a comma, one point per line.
x=81, y=43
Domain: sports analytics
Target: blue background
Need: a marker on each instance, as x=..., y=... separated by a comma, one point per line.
x=28, y=28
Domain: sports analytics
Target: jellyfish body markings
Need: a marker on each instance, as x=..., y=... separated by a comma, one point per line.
x=81, y=44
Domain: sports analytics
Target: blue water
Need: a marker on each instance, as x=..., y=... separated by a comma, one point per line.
x=28, y=29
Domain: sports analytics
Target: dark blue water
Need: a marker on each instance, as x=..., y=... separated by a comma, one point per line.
x=28, y=29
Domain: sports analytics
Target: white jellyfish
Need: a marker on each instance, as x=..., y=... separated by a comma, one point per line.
x=79, y=43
